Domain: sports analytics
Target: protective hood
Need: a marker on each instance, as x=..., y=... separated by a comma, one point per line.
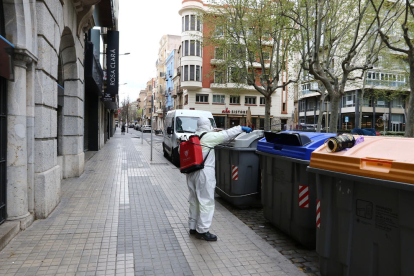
x=204, y=124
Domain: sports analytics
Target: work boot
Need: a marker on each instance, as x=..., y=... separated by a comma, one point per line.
x=193, y=231
x=206, y=236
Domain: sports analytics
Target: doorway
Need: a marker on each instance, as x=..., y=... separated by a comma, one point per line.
x=234, y=122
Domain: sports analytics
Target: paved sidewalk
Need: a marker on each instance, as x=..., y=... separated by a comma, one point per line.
x=127, y=215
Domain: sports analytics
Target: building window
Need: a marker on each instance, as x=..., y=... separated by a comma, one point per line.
x=234, y=99
x=198, y=24
x=381, y=102
x=201, y=98
x=198, y=75
x=186, y=99
x=192, y=47
x=218, y=77
x=193, y=23
x=192, y=72
x=397, y=103
x=187, y=22
x=198, y=49
x=262, y=101
x=266, y=56
x=219, y=30
x=218, y=53
x=302, y=106
x=237, y=75
x=219, y=99
x=183, y=24
x=185, y=72
x=186, y=48
x=348, y=100
x=250, y=100
x=284, y=107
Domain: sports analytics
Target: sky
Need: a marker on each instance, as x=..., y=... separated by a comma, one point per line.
x=141, y=26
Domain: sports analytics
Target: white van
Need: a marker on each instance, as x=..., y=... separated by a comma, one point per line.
x=178, y=123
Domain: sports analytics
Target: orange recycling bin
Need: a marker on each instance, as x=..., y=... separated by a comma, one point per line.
x=365, y=208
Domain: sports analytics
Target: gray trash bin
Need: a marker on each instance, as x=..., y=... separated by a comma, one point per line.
x=237, y=170
x=288, y=191
x=365, y=209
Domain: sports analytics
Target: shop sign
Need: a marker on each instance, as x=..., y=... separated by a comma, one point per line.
x=112, y=65
x=227, y=111
x=108, y=98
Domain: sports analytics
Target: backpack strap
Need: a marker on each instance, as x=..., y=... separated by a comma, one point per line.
x=204, y=160
x=202, y=134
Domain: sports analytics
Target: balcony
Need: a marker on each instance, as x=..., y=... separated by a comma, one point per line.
x=191, y=85
x=386, y=79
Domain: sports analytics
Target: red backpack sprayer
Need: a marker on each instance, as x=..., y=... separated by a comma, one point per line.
x=191, y=154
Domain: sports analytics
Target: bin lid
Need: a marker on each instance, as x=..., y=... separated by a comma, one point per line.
x=294, y=144
x=245, y=140
x=387, y=158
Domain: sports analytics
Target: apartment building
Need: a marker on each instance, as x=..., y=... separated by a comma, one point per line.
x=148, y=101
x=162, y=96
x=204, y=89
x=141, y=105
x=388, y=80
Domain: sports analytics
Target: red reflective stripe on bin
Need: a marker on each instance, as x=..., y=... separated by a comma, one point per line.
x=318, y=214
x=234, y=172
x=304, y=196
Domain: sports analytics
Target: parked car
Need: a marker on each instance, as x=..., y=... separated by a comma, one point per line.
x=179, y=123
x=146, y=128
x=131, y=126
x=138, y=127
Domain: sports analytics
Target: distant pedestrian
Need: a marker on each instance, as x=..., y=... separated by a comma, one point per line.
x=123, y=129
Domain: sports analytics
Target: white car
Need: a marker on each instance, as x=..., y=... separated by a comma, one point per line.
x=178, y=123
x=145, y=128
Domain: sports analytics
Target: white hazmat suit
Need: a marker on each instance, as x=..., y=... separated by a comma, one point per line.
x=202, y=183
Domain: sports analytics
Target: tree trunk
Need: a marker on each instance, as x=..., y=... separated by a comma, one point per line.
x=409, y=124
x=333, y=122
x=268, y=103
x=321, y=111
x=361, y=102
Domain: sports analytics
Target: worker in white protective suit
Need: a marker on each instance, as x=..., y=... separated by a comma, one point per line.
x=202, y=183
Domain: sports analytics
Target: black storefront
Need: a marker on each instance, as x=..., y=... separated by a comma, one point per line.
x=6, y=73
x=93, y=92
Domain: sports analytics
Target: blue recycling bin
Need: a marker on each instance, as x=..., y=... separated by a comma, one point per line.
x=288, y=190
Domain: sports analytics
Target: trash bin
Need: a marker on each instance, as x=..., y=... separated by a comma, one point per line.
x=288, y=191
x=365, y=208
x=237, y=170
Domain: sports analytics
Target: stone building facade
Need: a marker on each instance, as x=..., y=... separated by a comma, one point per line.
x=45, y=101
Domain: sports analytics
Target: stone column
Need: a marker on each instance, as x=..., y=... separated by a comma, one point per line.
x=17, y=201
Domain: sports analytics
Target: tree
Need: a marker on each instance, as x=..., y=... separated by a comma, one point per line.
x=337, y=44
x=252, y=44
x=395, y=24
x=125, y=109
